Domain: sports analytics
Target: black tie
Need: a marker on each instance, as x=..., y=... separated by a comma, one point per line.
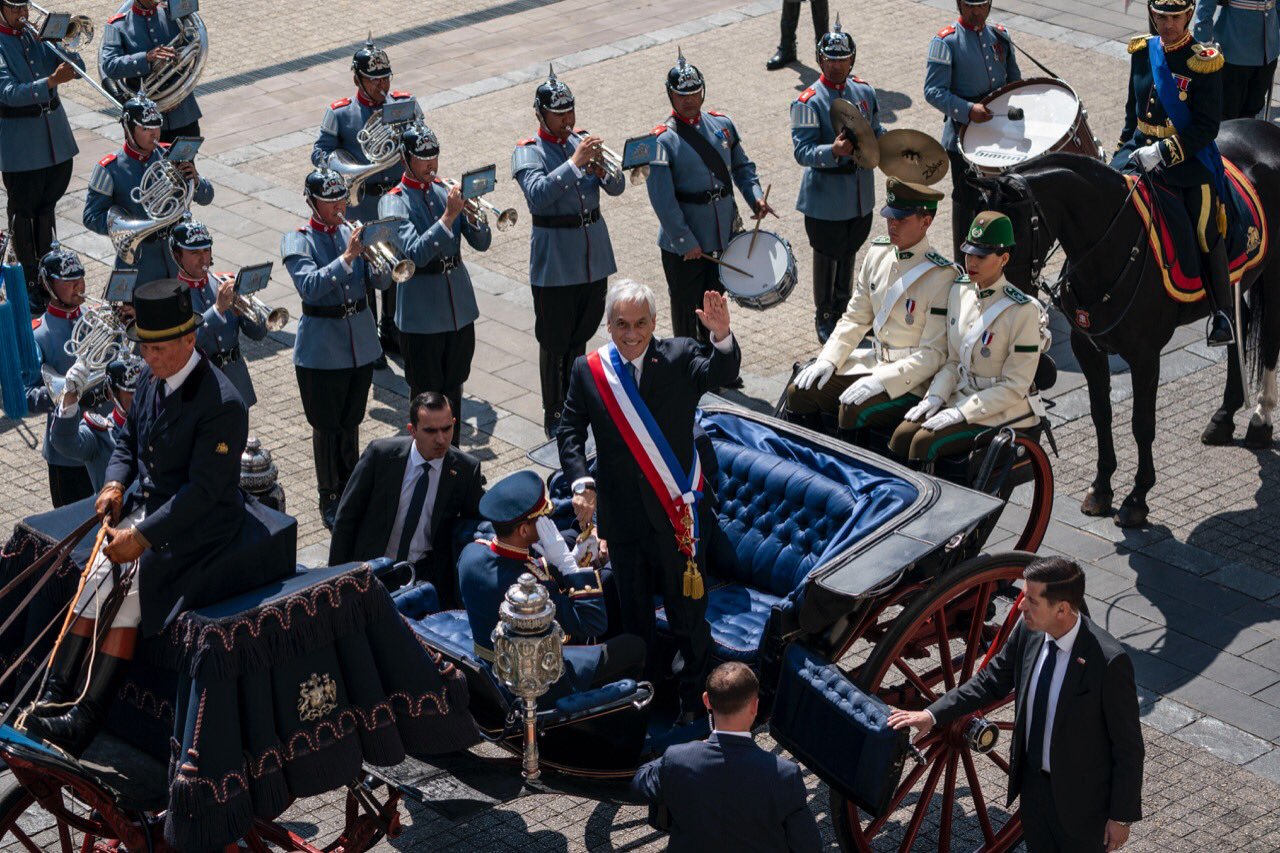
x=161, y=389
x=635, y=373
x=1040, y=708
x=413, y=518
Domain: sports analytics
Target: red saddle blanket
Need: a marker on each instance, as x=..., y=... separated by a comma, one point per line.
x=1172, y=238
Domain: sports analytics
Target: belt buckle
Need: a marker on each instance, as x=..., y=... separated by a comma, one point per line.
x=448, y=264
x=584, y=219
x=349, y=310
x=718, y=193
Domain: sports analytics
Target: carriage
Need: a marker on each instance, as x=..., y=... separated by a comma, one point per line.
x=850, y=583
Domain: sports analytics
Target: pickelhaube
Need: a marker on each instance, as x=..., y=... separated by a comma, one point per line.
x=418, y=140
x=141, y=111
x=991, y=232
x=1170, y=7
x=190, y=235
x=683, y=78
x=123, y=372
x=837, y=44
x=61, y=264
x=325, y=185
x=552, y=95
x=371, y=61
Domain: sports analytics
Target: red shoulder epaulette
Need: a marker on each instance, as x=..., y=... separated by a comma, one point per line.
x=338, y=104
x=107, y=161
x=394, y=190
x=858, y=79
x=657, y=131
x=35, y=323
x=302, y=230
x=946, y=31
x=528, y=141
x=119, y=16
x=401, y=95
x=1000, y=27
x=717, y=113
x=806, y=95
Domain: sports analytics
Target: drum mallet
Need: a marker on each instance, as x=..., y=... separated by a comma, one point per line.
x=755, y=231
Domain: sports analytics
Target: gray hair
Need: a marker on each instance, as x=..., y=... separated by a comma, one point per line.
x=627, y=290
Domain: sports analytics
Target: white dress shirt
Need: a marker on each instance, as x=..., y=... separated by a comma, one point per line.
x=174, y=382
x=1064, y=644
x=420, y=544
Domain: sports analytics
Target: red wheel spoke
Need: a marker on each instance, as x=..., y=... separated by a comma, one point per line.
x=978, y=620
x=1005, y=726
x=922, y=807
x=948, y=802
x=979, y=802
x=903, y=789
x=64, y=838
x=926, y=692
x=23, y=838
x=944, y=648
x=998, y=761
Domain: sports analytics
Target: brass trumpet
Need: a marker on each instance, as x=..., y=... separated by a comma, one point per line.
x=79, y=34
x=609, y=160
x=382, y=257
x=478, y=210
x=274, y=319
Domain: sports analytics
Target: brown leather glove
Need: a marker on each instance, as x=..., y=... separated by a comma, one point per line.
x=110, y=502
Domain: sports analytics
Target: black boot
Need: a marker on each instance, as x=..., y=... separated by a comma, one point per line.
x=842, y=288
x=22, y=231
x=63, y=682
x=786, y=52
x=824, y=279
x=1216, y=278
x=551, y=378
x=74, y=730
x=455, y=402
x=821, y=19
x=326, y=446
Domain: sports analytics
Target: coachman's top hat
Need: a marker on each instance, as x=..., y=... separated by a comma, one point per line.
x=162, y=312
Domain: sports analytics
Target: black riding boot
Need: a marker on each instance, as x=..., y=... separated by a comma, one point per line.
x=22, y=231
x=62, y=683
x=326, y=445
x=76, y=728
x=455, y=402
x=821, y=18
x=842, y=289
x=824, y=283
x=787, y=43
x=551, y=378
x=1216, y=278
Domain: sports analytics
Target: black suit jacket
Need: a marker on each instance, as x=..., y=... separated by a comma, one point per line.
x=1095, y=748
x=726, y=793
x=368, y=507
x=677, y=372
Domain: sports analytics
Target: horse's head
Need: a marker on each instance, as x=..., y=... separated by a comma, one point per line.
x=1010, y=194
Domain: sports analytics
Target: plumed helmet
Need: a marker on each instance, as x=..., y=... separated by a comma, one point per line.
x=325, y=185
x=123, y=372
x=371, y=61
x=683, y=78
x=552, y=95
x=140, y=111
x=190, y=235
x=1170, y=7
x=59, y=263
x=418, y=140
x=837, y=44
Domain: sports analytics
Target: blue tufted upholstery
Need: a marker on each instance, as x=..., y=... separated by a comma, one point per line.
x=416, y=602
x=737, y=615
x=447, y=630
x=578, y=703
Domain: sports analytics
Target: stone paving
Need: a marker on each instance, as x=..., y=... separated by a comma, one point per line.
x=1195, y=596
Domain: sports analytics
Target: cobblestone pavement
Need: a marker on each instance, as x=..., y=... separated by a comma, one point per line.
x=1195, y=596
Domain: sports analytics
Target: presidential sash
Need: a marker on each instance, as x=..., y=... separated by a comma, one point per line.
x=1180, y=114
x=677, y=491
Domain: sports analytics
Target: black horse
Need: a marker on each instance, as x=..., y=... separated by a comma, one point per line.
x=1111, y=282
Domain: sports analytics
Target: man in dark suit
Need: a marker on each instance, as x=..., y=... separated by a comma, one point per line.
x=725, y=792
x=390, y=509
x=671, y=376
x=1077, y=749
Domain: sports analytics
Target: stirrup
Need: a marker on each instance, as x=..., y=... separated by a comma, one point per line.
x=1209, y=327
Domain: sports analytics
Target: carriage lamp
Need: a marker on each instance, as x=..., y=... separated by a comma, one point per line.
x=981, y=735
x=527, y=654
x=258, y=475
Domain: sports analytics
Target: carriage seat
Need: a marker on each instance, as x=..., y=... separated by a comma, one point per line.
x=776, y=519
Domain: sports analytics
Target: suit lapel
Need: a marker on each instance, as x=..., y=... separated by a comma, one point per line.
x=444, y=489
x=650, y=363
x=1073, y=679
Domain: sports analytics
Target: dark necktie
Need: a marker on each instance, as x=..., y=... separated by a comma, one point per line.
x=413, y=518
x=161, y=390
x=1040, y=709
x=635, y=373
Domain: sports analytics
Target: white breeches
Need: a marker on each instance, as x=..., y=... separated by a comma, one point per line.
x=100, y=583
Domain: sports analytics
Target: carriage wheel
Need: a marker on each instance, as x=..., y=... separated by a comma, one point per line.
x=59, y=821
x=960, y=784
x=1042, y=500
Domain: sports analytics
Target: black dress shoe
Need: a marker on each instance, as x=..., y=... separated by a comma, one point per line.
x=390, y=345
x=381, y=362
x=784, y=56
x=1220, y=332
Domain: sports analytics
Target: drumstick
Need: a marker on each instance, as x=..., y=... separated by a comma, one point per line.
x=754, y=231
x=726, y=265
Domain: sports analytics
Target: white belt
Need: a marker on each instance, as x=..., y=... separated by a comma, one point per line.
x=890, y=354
x=977, y=383
x=1252, y=5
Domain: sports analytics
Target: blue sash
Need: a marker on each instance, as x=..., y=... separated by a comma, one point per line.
x=1180, y=114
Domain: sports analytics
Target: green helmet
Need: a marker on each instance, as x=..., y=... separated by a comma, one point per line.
x=991, y=232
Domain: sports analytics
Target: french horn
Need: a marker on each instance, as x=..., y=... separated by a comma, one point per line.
x=164, y=194
x=171, y=81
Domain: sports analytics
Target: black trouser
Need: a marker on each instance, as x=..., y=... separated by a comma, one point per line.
x=791, y=18
x=1042, y=829
x=565, y=318
x=171, y=133
x=621, y=657
x=838, y=240
x=687, y=281
x=68, y=484
x=1245, y=89
x=32, y=196
x=652, y=564
x=439, y=362
x=965, y=203
x=334, y=402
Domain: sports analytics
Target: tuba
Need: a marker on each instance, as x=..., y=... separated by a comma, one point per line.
x=97, y=339
x=165, y=195
x=170, y=82
x=380, y=144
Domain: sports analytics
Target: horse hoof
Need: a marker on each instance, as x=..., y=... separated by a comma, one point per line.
x=1258, y=436
x=1218, y=433
x=1096, y=503
x=1132, y=515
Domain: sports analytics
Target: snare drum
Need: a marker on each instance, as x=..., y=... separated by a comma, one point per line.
x=1052, y=120
x=771, y=270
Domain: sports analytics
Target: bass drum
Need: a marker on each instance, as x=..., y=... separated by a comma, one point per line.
x=770, y=270
x=1049, y=118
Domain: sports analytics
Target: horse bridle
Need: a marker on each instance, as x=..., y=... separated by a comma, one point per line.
x=1060, y=289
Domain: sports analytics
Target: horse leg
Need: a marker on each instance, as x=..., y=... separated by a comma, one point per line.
x=1221, y=428
x=1267, y=341
x=1097, y=373
x=1146, y=381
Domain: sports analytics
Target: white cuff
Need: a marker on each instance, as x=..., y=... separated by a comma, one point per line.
x=577, y=172
x=589, y=481
x=931, y=716
x=67, y=413
x=726, y=345
x=345, y=266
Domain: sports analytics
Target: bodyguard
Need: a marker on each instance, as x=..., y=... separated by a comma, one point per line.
x=337, y=340
x=1248, y=34
x=36, y=144
x=836, y=196
x=968, y=60
x=134, y=43
x=570, y=254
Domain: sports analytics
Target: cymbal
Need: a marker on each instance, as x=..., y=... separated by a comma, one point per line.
x=910, y=155
x=848, y=118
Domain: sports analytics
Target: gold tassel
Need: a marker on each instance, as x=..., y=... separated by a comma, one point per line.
x=692, y=581
x=1222, y=219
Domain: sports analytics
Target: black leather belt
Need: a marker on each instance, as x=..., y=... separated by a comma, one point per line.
x=225, y=357
x=440, y=265
x=336, y=312
x=842, y=169
x=703, y=197
x=580, y=220
x=31, y=111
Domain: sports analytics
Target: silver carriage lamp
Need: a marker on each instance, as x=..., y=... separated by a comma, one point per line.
x=258, y=475
x=527, y=654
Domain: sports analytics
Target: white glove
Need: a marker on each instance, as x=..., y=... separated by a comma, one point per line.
x=926, y=408
x=587, y=550
x=1148, y=157
x=77, y=377
x=553, y=546
x=862, y=391
x=815, y=375
x=942, y=420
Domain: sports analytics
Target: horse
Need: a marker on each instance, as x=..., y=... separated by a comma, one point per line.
x=1111, y=292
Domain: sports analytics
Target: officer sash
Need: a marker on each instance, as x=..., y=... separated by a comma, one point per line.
x=894, y=293
x=1180, y=114
x=705, y=151
x=676, y=490
x=972, y=337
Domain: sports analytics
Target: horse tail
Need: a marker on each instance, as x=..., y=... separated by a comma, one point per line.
x=1254, y=325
